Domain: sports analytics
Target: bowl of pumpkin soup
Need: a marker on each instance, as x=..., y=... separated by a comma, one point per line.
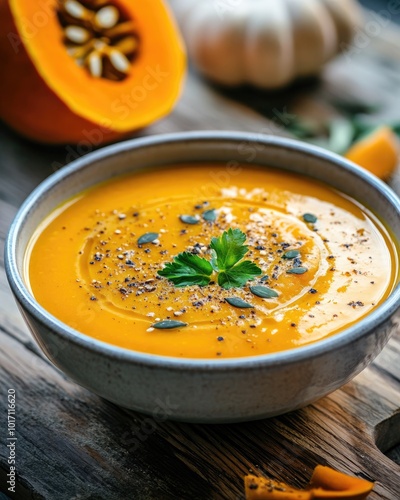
x=219, y=276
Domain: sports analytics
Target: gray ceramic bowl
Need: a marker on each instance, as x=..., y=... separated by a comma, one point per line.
x=195, y=390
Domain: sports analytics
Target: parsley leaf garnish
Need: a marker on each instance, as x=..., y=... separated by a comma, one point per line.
x=187, y=269
x=227, y=253
x=228, y=249
x=238, y=275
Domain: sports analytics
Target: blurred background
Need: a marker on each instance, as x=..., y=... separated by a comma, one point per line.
x=355, y=94
x=377, y=5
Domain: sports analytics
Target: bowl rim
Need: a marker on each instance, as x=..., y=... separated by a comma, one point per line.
x=303, y=353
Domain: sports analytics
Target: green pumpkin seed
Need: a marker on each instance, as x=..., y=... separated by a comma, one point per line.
x=291, y=254
x=210, y=215
x=189, y=219
x=297, y=270
x=168, y=324
x=310, y=218
x=236, y=302
x=147, y=238
x=264, y=292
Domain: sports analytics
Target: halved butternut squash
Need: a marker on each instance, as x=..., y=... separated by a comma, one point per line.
x=89, y=69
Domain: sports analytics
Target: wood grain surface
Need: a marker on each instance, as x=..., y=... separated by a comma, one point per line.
x=73, y=445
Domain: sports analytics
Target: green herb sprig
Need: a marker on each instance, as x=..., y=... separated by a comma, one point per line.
x=227, y=253
x=353, y=120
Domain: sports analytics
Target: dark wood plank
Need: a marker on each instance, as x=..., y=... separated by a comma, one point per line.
x=88, y=446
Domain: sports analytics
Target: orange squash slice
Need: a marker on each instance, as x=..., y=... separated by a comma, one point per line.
x=325, y=484
x=87, y=70
x=378, y=152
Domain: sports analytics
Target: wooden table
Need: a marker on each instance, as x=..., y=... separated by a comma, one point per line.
x=73, y=445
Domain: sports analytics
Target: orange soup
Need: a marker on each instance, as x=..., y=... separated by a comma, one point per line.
x=211, y=262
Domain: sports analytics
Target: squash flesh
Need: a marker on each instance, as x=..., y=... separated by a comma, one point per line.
x=325, y=484
x=44, y=80
x=378, y=152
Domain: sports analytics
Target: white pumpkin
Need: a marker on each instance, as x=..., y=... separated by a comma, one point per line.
x=267, y=43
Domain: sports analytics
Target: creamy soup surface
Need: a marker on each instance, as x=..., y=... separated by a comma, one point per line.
x=328, y=261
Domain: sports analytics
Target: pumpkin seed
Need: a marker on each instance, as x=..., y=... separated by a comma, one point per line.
x=79, y=53
x=107, y=17
x=310, y=218
x=168, y=324
x=265, y=278
x=291, y=254
x=75, y=9
x=297, y=270
x=127, y=45
x=95, y=64
x=96, y=38
x=147, y=238
x=99, y=45
x=210, y=215
x=236, y=302
x=119, y=61
x=76, y=34
x=124, y=29
x=264, y=292
x=189, y=219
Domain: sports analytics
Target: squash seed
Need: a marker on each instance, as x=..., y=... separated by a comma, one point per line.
x=107, y=17
x=95, y=64
x=123, y=29
x=76, y=34
x=119, y=61
x=127, y=45
x=75, y=9
x=98, y=38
